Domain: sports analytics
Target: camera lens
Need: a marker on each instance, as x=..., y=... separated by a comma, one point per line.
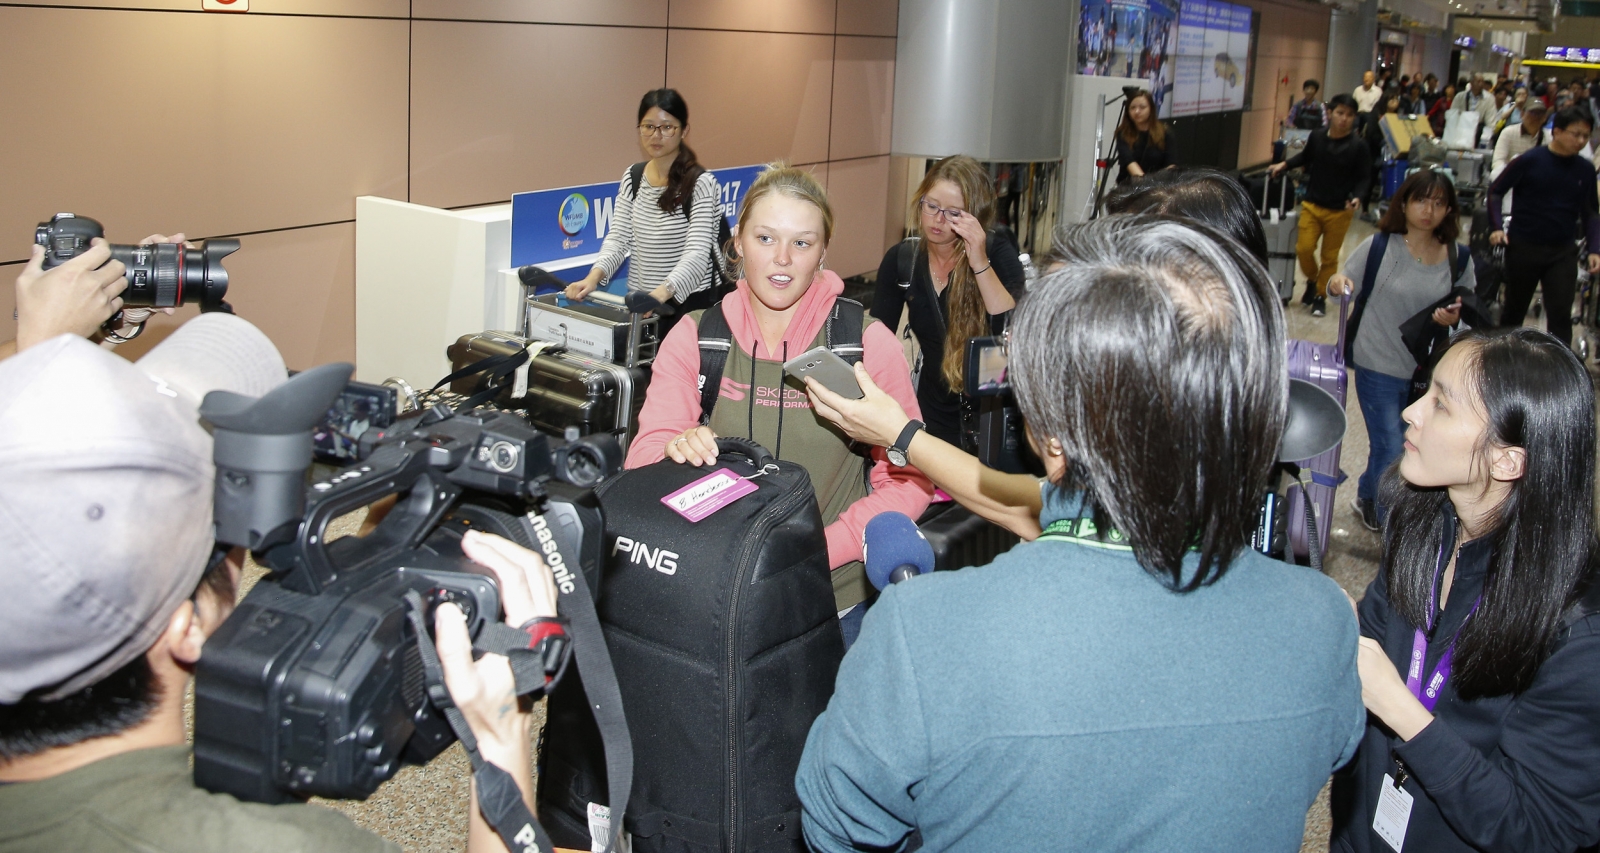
x=165, y=275
x=582, y=466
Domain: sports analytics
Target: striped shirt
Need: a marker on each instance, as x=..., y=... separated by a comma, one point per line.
x=665, y=248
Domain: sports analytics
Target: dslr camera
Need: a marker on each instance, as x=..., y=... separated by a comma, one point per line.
x=315, y=684
x=162, y=275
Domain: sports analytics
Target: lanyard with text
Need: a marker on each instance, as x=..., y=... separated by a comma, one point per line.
x=1427, y=692
x=1083, y=531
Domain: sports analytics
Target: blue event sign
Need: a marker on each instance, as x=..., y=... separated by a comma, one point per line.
x=550, y=226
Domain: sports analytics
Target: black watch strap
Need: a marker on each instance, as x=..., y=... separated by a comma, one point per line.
x=902, y=445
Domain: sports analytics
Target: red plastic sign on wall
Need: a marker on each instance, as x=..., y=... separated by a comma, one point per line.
x=225, y=5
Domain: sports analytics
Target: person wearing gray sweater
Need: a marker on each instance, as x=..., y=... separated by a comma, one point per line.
x=1137, y=679
x=1421, y=264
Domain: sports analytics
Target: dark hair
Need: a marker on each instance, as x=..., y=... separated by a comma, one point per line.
x=1345, y=101
x=1426, y=183
x=1568, y=115
x=1196, y=194
x=1431, y=76
x=686, y=169
x=1130, y=131
x=1312, y=84
x=1155, y=355
x=111, y=705
x=1536, y=395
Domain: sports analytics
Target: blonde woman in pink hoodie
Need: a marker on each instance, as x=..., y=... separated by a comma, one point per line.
x=780, y=310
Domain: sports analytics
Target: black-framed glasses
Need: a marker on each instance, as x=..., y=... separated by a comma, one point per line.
x=665, y=131
x=933, y=211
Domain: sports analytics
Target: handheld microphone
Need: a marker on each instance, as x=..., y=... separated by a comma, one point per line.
x=894, y=549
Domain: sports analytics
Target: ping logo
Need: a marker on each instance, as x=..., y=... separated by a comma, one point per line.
x=660, y=559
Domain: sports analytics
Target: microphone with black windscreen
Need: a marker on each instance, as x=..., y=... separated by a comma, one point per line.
x=894, y=549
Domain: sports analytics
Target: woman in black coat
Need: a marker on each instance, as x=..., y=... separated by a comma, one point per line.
x=1480, y=648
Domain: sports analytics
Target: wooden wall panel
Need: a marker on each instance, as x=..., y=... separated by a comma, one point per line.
x=755, y=97
x=863, y=97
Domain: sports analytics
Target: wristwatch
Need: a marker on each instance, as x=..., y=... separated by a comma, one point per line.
x=897, y=451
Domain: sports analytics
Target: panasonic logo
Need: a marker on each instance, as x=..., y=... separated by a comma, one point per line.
x=546, y=541
x=660, y=559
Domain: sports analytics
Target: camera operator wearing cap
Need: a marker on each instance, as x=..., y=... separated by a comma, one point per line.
x=113, y=583
x=76, y=298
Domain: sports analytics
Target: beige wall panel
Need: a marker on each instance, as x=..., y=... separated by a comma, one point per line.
x=504, y=108
x=1257, y=129
x=297, y=286
x=358, y=8
x=869, y=17
x=784, y=16
x=859, y=192
x=632, y=13
x=8, y=300
x=235, y=123
x=754, y=97
x=863, y=97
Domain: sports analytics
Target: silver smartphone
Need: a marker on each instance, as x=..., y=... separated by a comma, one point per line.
x=829, y=369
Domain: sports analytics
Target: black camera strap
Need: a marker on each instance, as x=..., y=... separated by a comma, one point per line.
x=499, y=798
x=497, y=369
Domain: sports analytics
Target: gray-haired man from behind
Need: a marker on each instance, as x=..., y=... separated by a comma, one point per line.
x=113, y=583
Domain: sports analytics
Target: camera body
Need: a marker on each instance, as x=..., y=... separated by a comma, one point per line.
x=162, y=275
x=314, y=685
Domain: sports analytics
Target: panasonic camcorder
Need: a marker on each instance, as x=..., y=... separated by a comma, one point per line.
x=315, y=684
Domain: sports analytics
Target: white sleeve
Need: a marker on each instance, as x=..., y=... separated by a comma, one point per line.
x=689, y=275
x=619, y=236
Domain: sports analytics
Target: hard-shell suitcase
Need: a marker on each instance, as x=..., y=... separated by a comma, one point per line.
x=725, y=643
x=1322, y=365
x=961, y=538
x=1281, y=221
x=558, y=389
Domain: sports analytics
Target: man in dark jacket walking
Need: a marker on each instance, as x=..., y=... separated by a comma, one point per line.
x=1340, y=170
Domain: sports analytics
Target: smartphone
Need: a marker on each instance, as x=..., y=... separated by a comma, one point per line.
x=986, y=367
x=359, y=407
x=825, y=367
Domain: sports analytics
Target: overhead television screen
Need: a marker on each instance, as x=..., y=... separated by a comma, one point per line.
x=1194, y=54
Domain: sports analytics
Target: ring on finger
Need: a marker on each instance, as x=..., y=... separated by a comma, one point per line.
x=679, y=439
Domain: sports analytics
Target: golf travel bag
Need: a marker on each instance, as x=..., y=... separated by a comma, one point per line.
x=725, y=643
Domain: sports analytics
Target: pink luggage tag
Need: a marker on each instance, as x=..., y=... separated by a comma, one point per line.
x=708, y=494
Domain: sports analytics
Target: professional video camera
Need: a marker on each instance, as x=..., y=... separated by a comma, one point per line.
x=161, y=275
x=316, y=684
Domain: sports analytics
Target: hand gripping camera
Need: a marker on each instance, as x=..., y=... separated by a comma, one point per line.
x=163, y=275
x=317, y=683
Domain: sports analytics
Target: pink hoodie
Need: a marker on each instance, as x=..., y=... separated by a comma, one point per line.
x=672, y=404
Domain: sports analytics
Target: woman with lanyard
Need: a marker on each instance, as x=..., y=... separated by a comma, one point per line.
x=1143, y=146
x=1416, y=237
x=780, y=309
x=665, y=216
x=959, y=279
x=1480, y=649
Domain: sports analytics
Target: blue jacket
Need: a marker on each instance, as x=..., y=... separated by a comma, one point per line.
x=1062, y=697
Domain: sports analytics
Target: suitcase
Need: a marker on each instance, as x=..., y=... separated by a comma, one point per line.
x=725, y=644
x=558, y=390
x=1322, y=365
x=961, y=538
x=1282, y=233
x=1470, y=167
x=1394, y=174
x=599, y=327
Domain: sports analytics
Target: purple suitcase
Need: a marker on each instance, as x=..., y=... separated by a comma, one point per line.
x=1322, y=365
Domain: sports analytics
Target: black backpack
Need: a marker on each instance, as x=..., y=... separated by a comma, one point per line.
x=721, y=285
x=725, y=645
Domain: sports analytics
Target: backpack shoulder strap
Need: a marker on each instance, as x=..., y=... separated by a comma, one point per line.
x=846, y=323
x=635, y=178
x=1375, y=252
x=716, y=339
x=1458, y=262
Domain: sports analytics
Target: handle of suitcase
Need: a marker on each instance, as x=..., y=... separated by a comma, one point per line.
x=1283, y=194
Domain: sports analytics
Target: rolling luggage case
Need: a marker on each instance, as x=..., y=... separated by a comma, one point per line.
x=1282, y=224
x=725, y=643
x=961, y=538
x=1322, y=365
x=557, y=389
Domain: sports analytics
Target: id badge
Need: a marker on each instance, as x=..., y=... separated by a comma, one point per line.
x=708, y=494
x=1393, y=813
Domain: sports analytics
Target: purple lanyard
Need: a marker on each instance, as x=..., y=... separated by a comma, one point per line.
x=1428, y=692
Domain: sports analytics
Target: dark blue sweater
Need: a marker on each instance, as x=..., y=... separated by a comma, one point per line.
x=1554, y=194
x=1061, y=698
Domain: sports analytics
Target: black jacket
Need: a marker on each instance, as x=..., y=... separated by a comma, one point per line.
x=1339, y=169
x=941, y=406
x=1519, y=774
x=1151, y=158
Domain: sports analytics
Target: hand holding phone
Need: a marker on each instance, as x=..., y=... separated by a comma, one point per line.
x=827, y=368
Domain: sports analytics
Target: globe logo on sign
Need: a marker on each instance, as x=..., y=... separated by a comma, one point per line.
x=573, y=214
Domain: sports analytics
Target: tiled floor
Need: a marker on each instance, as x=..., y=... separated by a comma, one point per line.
x=424, y=808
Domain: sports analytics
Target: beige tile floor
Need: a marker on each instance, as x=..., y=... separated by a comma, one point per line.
x=424, y=808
